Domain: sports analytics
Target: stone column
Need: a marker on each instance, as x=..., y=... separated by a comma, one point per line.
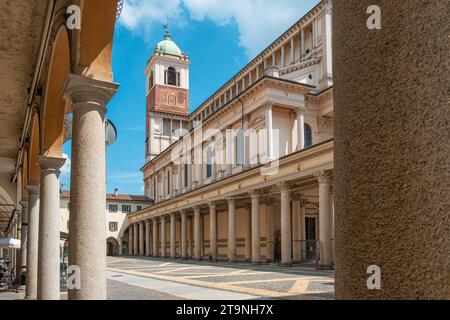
x=296, y=226
x=270, y=231
x=300, y=128
x=248, y=232
x=269, y=129
x=303, y=203
x=148, y=239
x=246, y=133
x=189, y=236
x=120, y=242
x=231, y=230
x=155, y=237
x=324, y=220
x=286, y=257
x=183, y=234
x=163, y=237
x=173, y=237
x=256, y=233
x=141, y=239
x=32, y=241
x=130, y=240
x=213, y=230
x=292, y=51
x=302, y=44
x=229, y=151
x=87, y=245
x=197, y=232
x=49, y=255
x=135, y=239
x=23, y=239
x=401, y=195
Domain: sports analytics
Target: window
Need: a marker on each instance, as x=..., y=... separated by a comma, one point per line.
x=113, y=208
x=171, y=76
x=138, y=208
x=126, y=208
x=308, y=136
x=166, y=127
x=209, y=162
x=113, y=226
x=239, y=145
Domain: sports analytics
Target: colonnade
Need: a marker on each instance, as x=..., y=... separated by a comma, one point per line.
x=87, y=246
x=193, y=246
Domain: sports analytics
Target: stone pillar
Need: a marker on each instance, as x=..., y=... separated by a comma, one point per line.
x=269, y=129
x=324, y=220
x=130, y=240
x=49, y=251
x=141, y=239
x=163, y=237
x=23, y=239
x=327, y=62
x=256, y=233
x=300, y=128
x=197, y=233
x=283, y=60
x=87, y=245
x=396, y=216
x=120, y=242
x=292, y=51
x=183, y=234
x=213, y=230
x=32, y=241
x=270, y=231
x=286, y=248
x=231, y=230
x=148, y=239
x=155, y=237
x=189, y=236
x=303, y=203
x=246, y=133
x=173, y=237
x=248, y=232
x=135, y=239
x=296, y=226
x=229, y=151
x=302, y=44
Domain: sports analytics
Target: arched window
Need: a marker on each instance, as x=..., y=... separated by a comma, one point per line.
x=308, y=136
x=172, y=76
x=209, y=162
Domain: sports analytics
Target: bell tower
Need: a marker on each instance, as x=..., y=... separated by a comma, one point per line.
x=167, y=75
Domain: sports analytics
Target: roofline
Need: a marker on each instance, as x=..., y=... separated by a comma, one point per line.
x=308, y=86
x=260, y=55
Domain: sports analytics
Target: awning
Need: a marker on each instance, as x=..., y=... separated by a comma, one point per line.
x=10, y=243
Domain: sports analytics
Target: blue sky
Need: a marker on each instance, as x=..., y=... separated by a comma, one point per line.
x=220, y=38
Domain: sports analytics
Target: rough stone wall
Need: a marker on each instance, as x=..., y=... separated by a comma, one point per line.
x=392, y=154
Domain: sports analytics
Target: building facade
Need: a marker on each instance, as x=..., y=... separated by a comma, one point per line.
x=248, y=175
x=118, y=207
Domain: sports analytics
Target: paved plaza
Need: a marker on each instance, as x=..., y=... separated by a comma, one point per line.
x=149, y=278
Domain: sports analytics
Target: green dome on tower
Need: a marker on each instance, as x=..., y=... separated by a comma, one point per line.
x=167, y=45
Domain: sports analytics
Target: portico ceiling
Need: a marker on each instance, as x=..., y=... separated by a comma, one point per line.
x=22, y=24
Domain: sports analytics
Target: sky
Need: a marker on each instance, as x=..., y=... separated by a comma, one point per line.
x=220, y=37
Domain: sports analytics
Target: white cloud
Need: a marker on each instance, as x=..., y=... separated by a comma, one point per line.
x=259, y=21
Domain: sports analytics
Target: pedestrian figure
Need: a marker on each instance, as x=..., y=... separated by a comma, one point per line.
x=210, y=257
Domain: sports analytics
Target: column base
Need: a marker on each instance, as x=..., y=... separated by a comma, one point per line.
x=325, y=267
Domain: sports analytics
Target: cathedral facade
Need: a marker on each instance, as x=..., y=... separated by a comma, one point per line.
x=249, y=174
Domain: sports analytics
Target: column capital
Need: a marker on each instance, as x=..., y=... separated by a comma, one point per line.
x=211, y=204
x=24, y=203
x=33, y=189
x=255, y=193
x=50, y=163
x=284, y=186
x=183, y=211
x=196, y=209
x=268, y=106
x=231, y=200
x=322, y=177
x=82, y=91
x=172, y=215
x=301, y=110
